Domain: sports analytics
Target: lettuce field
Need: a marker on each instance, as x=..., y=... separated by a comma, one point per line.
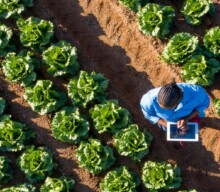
x=72, y=75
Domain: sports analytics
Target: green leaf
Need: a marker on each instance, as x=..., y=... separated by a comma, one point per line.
x=43, y=98
x=212, y=40
x=87, y=88
x=109, y=116
x=13, y=8
x=133, y=5
x=132, y=142
x=36, y=163
x=35, y=33
x=26, y=187
x=155, y=19
x=69, y=126
x=160, y=176
x=14, y=135
x=180, y=48
x=198, y=70
x=217, y=105
x=61, y=59
x=94, y=157
x=195, y=10
x=120, y=179
x=6, y=171
x=62, y=184
x=19, y=69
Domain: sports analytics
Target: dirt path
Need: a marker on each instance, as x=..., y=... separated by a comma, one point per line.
x=109, y=41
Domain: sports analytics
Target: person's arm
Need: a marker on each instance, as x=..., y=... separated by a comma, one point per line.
x=162, y=122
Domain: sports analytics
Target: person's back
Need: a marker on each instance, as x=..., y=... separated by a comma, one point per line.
x=175, y=103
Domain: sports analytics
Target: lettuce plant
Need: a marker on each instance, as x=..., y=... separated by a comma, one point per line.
x=61, y=59
x=120, y=179
x=217, y=105
x=19, y=68
x=180, y=48
x=43, y=98
x=212, y=42
x=13, y=135
x=25, y=187
x=199, y=70
x=36, y=163
x=160, y=176
x=133, y=5
x=2, y=105
x=132, y=142
x=189, y=190
x=5, y=38
x=13, y=8
x=69, y=126
x=6, y=171
x=155, y=19
x=35, y=32
x=88, y=88
x=62, y=184
x=109, y=116
x=195, y=10
x=94, y=156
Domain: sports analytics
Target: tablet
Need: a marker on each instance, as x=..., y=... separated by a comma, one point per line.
x=191, y=134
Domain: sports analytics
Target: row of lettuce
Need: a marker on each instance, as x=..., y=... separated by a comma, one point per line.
x=199, y=61
x=85, y=90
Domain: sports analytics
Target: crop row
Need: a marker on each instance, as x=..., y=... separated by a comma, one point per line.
x=199, y=61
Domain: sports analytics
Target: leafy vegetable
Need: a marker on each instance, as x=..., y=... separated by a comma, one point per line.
x=62, y=184
x=199, y=70
x=180, y=48
x=132, y=142
x=13, y=135
x=155, y=19
x=61, y=59
x=109, y=116
x=87, y=88
x=194, y=10
x=26, y=187
x=5, y=38
x=43, y=98
x=190, y=190
x=6, y=171
x=212, y=40
x=217, y=105
x=35, y=32
x=68, y=126
x=19, y=68
x=160, y=176
x=133, y=5
x=13, y=8
x=2, y=105
x=36, y=163
x=93, y=156
x=120, y=179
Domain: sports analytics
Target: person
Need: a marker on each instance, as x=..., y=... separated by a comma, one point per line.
x=175, y=102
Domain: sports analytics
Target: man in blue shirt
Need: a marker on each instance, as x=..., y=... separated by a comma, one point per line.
x=174, y=102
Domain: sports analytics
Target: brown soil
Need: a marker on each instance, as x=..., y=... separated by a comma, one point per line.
x=109, y=41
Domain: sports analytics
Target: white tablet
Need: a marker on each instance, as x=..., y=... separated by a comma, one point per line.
x=191, y=134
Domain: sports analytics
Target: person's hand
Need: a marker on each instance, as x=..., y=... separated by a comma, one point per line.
x=182, y=126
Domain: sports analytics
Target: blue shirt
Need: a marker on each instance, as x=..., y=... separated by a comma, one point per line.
x=194, y=97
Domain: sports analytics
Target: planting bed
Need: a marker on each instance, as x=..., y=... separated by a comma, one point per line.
x=108, y=40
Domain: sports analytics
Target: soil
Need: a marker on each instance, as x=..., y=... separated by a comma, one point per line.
x=109, y=41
